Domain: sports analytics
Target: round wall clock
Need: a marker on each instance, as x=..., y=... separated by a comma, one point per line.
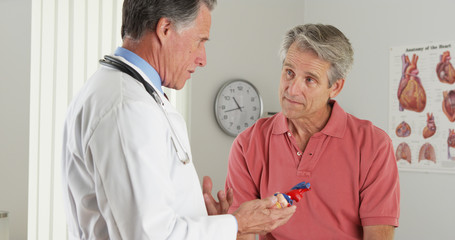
x=237, y=106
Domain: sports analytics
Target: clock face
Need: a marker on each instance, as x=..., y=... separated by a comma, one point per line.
x=237, y=106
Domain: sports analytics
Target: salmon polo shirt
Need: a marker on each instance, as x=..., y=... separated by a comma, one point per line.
x=350, y=165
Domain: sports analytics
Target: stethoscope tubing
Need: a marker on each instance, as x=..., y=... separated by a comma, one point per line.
x=115, y=63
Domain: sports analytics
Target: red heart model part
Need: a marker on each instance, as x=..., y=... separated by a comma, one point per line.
x=403, y=129
x=430, y=129
x=403, y=152
x=448, y=104
x=411, y=93
x=427, y=153
x=444, y=69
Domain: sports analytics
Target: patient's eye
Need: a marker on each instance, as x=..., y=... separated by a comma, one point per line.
x=310, y=79
x=290, y=74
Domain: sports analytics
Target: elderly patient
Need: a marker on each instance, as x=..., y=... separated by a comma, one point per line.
x=349, y=162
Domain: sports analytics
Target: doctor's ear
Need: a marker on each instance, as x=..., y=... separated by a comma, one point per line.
x=163, y=28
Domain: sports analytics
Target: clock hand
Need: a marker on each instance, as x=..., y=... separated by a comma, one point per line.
x=234, y=109
x=238, y=106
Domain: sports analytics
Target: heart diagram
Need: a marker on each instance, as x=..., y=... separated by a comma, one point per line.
x=448, y=104
x=445, y=70
x=427, y=153
x=403, y=129
x=411, y=94
x=422, y=105
x=451, y=142
x=403, y=152
x=430, y=129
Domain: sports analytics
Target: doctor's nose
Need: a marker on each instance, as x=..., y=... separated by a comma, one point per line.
x=201, y=59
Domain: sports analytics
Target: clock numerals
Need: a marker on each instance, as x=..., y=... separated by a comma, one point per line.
x=237, y=107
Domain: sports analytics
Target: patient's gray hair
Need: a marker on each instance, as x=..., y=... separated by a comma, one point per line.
x=327, y=42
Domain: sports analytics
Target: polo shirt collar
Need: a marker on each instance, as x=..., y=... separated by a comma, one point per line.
x=335, y=126
x=337, y=122
x=280, y=124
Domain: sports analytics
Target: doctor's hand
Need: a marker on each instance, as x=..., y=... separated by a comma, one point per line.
x=213, y=207
x=260, y=216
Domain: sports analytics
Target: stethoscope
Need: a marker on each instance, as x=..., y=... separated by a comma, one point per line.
x=115, y=63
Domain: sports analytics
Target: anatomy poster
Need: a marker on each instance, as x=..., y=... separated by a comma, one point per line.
x=422, y=106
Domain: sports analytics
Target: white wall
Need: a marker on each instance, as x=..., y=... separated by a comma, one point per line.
x=14, y=108
x=427, y=199
x=244, y=43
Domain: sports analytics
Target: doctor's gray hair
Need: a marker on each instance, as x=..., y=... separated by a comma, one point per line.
x=327, y=42
x=140, y=16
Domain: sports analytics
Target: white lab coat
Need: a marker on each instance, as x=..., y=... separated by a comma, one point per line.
x=121, y=175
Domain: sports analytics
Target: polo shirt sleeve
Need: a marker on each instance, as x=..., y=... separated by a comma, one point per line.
x=239, y=177
x=379, y=183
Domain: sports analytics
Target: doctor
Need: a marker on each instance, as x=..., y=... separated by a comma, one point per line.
x=127, y=167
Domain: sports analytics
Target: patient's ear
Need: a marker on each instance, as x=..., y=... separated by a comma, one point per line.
x=336, y=87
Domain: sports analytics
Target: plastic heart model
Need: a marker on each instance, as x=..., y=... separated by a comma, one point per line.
x=287, y=199
x=444, y=69
x=411, y=93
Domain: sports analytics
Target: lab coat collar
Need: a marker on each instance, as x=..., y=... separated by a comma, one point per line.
x=147, y=80
x=133, y=58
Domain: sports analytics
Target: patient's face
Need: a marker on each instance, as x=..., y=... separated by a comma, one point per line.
x=304, y=87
